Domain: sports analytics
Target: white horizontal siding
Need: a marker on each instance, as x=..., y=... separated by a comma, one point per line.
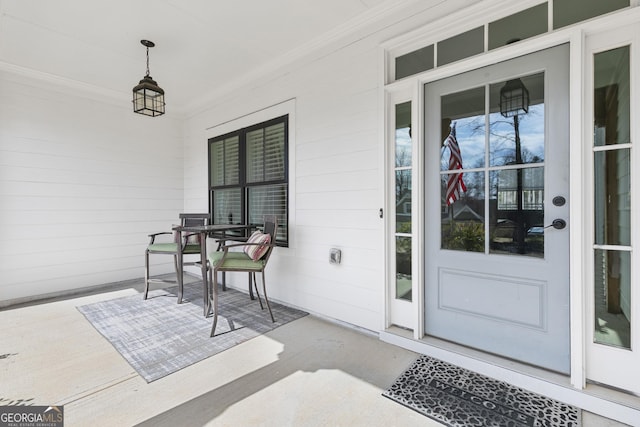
x=335, y=169
x=82, y=184
x=334, y=179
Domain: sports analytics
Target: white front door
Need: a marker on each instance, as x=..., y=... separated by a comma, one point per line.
x=496, y=232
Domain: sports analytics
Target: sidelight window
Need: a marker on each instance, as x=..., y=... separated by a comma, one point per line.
x=612, y=198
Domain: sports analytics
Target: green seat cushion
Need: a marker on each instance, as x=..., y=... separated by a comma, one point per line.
x=191, y=249
x=235, y=260
x=163, y=247
x=173, y=247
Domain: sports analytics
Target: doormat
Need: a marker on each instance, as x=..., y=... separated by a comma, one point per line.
x=458, y=397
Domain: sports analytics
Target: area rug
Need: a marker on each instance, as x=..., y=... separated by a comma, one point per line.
x=158, y=336
x=457, y=397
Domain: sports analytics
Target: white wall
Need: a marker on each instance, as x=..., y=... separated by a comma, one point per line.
x=334, y=178
x=84, y=180
x=82, y=183
x=336, y=170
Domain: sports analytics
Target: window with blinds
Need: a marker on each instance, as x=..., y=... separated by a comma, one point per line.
x=248, y=176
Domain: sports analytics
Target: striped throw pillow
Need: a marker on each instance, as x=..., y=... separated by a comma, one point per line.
x=255, y=252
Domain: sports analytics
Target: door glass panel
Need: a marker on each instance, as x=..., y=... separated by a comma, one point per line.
x=403, y=268
x=516, y=214
x=403, y=157
x=461, y=46
x=462, y=193
x=403, y=201
x=515, y=172
x=567, y=12
x=465, y=110
x=403, y=148
x=612, y=298
x=519, y=26
x=611, y=97
x=516, y=156
x=518, y=138
x=414, y=62
x=462, y=222
x=612, y=198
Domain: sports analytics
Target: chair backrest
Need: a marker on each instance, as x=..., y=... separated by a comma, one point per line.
x=194, y=219
x=270, y=227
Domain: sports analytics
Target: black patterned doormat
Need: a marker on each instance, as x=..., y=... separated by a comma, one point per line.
x=457, y=397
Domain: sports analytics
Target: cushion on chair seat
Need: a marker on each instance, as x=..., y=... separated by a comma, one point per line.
x=191, y=249
x=163, y=247
x=235, y=260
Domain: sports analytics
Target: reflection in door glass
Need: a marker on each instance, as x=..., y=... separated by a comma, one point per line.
x=612, y=198
x=403, y=268
x=465, y=111
x=517, y=211
x=516, y=156
x=403, y=168
x=517, y=138
x=462, y=222
x=462, y=148
x=612, y=273
x=514, y=175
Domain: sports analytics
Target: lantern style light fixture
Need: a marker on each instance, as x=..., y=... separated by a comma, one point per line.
x=514, y=98
x=148, y=97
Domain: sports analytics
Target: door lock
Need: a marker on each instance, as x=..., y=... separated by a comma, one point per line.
x=558, y=224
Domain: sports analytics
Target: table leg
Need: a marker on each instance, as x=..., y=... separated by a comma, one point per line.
x=214, y=284
x=203, y=262
x=179, y=271
x=251, y=287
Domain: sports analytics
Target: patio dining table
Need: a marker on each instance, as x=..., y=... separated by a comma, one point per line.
x=220, y=231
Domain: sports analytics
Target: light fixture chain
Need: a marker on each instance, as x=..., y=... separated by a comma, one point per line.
x=147, y=60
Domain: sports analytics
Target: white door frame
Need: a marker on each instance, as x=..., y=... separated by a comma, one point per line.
x=579, y=214
x=397, y=312
x=599, y=359
x=575, y=38
x=579, y=154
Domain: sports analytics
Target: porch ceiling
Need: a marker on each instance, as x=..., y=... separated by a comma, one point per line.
x=201, y=45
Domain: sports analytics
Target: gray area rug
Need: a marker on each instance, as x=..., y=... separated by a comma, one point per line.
x=457, y=397
x=159, y=336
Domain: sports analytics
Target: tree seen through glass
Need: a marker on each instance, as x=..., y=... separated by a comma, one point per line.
x=502, y=157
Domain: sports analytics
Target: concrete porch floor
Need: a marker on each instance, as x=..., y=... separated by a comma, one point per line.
x=310, y=372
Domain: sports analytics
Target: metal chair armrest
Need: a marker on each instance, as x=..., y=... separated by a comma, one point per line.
x=154, y=235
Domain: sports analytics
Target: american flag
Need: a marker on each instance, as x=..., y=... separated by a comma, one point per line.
x=455, y=184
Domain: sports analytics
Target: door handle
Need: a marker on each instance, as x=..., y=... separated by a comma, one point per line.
x=558, y=224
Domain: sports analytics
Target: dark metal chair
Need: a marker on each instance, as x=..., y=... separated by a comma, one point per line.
x=182, y=244
x=252, y=259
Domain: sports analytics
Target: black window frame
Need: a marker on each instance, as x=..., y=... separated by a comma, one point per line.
x=243, y=185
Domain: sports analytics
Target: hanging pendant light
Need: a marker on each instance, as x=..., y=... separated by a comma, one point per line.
x=514, y=98
x=148, y=97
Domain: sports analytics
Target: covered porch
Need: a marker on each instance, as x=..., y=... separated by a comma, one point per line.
x=310, y=372
x=353, y=88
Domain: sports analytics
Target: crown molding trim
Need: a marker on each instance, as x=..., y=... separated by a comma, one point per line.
x=91, y=90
